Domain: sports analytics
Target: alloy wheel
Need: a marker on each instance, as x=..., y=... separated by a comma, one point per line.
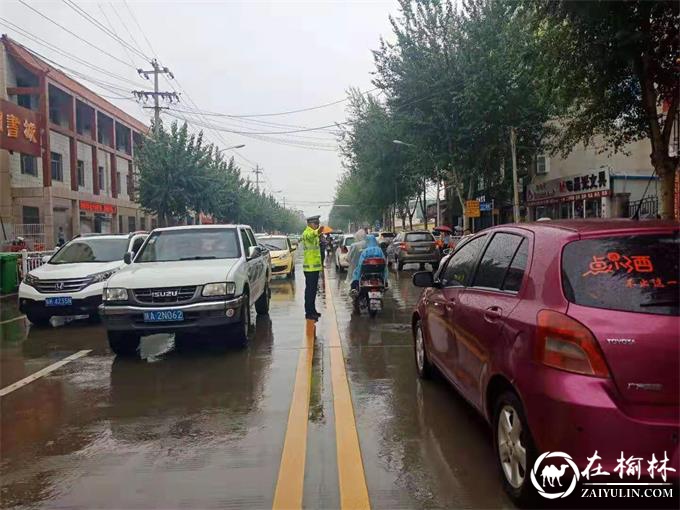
x=512, y=453
x=420, y=350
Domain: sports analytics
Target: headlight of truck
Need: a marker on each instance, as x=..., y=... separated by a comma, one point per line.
x=31, y=280
x=114, y=294
x=100, y=277
x=218, y=289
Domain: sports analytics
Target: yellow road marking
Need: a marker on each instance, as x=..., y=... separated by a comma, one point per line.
x=40, y=373
x=290, y=484
x=14, y=319
x=351, y=476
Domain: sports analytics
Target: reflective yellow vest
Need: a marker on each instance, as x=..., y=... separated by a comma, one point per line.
x=312, y=253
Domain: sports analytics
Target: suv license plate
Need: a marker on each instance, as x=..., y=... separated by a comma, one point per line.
x=59, y=301
x=164, y=316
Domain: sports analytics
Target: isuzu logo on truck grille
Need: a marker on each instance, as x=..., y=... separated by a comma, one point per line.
x=164, y=293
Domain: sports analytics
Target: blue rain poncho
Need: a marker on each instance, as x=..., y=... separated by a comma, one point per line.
x=372, y=250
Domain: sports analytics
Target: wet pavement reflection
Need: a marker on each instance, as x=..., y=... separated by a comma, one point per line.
x=195, y=424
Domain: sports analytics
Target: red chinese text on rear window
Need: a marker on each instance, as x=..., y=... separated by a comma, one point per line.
x=629, y=273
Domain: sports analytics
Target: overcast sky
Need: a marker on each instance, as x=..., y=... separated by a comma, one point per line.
x=233, y=57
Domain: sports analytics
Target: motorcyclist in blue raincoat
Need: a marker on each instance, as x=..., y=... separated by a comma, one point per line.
x=372, y=250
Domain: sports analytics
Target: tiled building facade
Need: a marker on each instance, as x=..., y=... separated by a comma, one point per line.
x=77, y=174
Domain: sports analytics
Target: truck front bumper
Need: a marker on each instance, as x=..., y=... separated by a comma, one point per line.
x=196, y=316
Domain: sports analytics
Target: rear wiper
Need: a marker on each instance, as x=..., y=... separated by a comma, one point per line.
x=660, y=303
x=198, y=257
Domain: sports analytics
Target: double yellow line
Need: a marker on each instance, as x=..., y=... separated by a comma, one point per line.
x=351, y=476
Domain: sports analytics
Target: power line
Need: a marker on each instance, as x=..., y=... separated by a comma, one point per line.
x=134, y=18
x=129, y=32
x=108, y=22
x=42, y=42
x=84, y=14
x=74, y=34
x=326, y=105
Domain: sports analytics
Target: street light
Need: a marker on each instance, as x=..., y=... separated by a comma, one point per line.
x=232, y=147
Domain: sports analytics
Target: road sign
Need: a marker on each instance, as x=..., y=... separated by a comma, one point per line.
x=485, y=206
x=472, y=209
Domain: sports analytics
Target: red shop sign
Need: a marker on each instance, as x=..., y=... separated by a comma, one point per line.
x=19, y=129
x=97, y=207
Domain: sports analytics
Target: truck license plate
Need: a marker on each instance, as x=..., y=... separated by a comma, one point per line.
x=375, y=304
x=164, y=316
x=374, y=295
x=59, y=301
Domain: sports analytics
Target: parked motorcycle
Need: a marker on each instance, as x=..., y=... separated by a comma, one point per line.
x=371, y=287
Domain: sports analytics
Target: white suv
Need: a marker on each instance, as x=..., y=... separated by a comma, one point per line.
x=72, y=280
x=185, y=279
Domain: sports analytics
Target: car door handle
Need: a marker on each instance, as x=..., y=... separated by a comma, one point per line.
x=493, y=313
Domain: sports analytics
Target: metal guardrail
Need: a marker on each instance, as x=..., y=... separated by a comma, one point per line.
x=31, y=260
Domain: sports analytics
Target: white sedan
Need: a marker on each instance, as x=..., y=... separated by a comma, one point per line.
x=342, y=252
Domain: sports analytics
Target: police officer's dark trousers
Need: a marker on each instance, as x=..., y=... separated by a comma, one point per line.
x=311, y=287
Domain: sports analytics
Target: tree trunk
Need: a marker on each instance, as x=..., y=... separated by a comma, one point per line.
x=664, y=165
x=423, y=204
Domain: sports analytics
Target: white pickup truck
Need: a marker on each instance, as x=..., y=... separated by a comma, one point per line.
x=184, y=279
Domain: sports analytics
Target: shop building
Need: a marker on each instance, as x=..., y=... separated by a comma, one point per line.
x=66, y=155
x=591, y=184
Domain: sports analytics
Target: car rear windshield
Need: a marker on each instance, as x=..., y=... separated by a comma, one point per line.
x=419, y=237
x=632, y=273
x=349, y=241
x=388, y=234
x=274, y=243
x=91, y=250
x=193, y=244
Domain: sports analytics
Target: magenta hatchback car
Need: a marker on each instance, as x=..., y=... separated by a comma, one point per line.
x=565, y=335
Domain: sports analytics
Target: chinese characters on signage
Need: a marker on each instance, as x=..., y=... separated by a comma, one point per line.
x=97, y=207
x=578, y=187
x=19, y=129
x=615, y=262
x=631, y=466
x=472, y=209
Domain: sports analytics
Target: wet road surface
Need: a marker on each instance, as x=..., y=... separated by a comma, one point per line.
x=204, y=426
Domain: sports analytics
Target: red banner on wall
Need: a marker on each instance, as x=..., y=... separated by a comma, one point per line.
x=19, y=129
x=97, y=207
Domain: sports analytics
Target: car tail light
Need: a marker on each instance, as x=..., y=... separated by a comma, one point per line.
x=403, y=246
x=565, y=343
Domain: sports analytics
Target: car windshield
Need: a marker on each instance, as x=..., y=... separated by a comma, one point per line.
x=190, y=244
x=632, y=273
x=419, y=237
x=349, y=241
x=274, y=243
x=91, y=250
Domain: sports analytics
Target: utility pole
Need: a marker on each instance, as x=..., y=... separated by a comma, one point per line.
x=515, y=192
x=156, y=94
x=257, y=173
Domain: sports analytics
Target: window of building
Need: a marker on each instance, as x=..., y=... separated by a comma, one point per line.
x=154, y=223
x=120, y=224
x=31, y=215
x=132, y=224
x=29, y=165
x=80, y=165
x=118, y=183
x=102, y=178
x=56, y=166
x=542, y=164
x=24, y=100
x=142, y=223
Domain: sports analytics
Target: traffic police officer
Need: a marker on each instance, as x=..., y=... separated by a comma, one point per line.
x=311, y=265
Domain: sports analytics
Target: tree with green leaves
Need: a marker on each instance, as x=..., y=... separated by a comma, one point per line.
x=174, y=174
x=612, y=68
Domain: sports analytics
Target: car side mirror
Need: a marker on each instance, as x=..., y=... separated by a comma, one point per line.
x=127, y=258
x=254, y=251
x=46, y=258
x=423, y=279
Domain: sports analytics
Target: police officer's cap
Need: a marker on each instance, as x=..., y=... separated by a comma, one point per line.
x=314, y=219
